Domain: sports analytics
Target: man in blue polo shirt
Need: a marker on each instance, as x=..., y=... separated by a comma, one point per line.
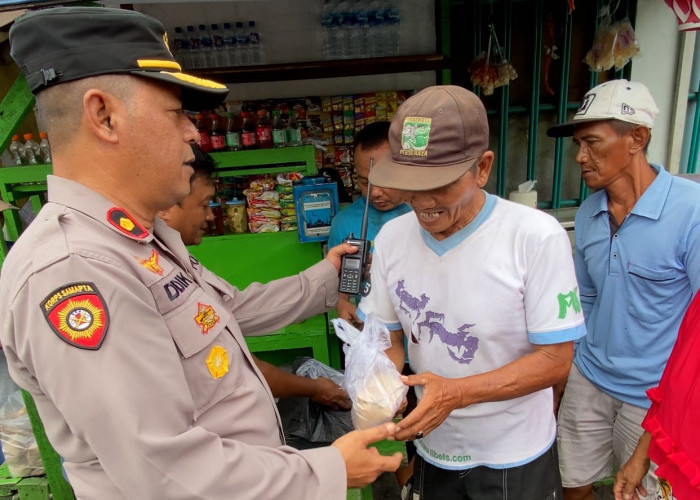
x=638, y=266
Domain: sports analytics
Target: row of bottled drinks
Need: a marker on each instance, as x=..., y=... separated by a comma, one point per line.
x=217, y=45
x=29, y=151
x=354, y=29
x=247, y=130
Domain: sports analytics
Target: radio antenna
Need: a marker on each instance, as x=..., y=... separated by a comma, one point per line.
x=363, y=231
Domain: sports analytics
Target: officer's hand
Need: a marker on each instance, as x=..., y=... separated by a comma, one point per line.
x=348, y=311
x=334, y=254
x=362, y=464
x=440, y=397
x=330, y=394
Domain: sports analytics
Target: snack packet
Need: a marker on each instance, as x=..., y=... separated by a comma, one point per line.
x=371, y=379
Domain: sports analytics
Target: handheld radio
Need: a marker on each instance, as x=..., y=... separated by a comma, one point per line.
x=352, y=265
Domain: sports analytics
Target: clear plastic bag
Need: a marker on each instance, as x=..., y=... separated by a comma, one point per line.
x=18, y=443
x=371, y=379
x=614, y=45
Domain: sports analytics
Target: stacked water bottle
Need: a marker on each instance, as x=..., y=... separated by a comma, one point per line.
x=30, y=152
x=354, y=29
x=217, y=45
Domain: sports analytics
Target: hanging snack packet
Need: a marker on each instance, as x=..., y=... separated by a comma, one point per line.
x=371, y=379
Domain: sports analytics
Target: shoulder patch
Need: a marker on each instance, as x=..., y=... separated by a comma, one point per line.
x=125, y=223
x=77, y=314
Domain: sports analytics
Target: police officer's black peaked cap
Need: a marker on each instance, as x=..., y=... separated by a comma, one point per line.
x=63, y=44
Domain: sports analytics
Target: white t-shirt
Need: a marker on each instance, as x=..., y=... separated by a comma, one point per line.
x=472, y=303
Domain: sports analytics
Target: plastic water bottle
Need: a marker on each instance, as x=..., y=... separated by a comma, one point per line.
x=218, y=46
x=344, y=18
x=279, y=134
x=254, y=45
x=328, y=48
x=393, y=22
x=16, y=150
x=242, y=54
x=206, y=46
x=358, y=30
x=293, y=130
x=31, y=149
x=375, y=19
x=181, y=47
x=195, y=52
x=44, y=147
x=230, y=43
x=233, y=133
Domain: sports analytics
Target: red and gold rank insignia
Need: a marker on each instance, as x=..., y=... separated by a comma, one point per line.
x=151, y=263
x=77, y=314
x=125, y=223
x=206, y=317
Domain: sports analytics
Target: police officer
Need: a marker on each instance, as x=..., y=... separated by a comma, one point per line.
x=133, y=351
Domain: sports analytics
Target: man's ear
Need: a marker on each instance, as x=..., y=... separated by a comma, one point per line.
x=483, y=168
x=640, y=138
x=102, y=113
x=164, y=214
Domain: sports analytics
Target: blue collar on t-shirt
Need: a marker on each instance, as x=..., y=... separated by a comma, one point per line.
x=440, y=247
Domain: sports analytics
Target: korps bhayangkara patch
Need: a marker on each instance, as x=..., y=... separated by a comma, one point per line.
x=77, y=313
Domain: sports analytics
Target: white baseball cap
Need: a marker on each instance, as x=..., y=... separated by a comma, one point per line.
x=614, y=100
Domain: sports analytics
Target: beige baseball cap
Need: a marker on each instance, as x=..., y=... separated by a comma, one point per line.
x=6, y=206
x=614, y=100
x=436, y=136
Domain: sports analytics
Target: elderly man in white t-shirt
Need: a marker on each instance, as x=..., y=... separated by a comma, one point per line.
x=485, y=292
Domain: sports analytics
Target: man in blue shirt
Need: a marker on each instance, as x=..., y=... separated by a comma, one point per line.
x=638, y=266
x=384, y=204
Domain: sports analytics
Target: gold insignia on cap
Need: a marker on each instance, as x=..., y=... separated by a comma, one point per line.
x=217, y=361
x=165, y=40
x=127, y=224
x=158, y=63
x=198, y=81
x=415, y=136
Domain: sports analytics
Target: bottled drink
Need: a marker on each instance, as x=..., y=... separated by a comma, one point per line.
x=242, y=54
x=279, y=134
x=218, y=134
x=31, y=149
x=329, y=37
x=230, y=45
x=206, y=46
x=44, y=147
x=375, y=19
x=345, y=21
x=233, y=133
x=202, y=125
x=219, y=47
x=16, y=150
x=249, y=139
x=181, y=47
x=293, y=130
x=393, y=24
x=254, y=45
x=195, y=52
x=264, y=130
x=358, y=30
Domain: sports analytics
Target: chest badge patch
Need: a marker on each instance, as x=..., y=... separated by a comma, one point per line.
x=125, y=223
x=151, y=263
x=77, y=314
x=217, y=361
x=206, y=317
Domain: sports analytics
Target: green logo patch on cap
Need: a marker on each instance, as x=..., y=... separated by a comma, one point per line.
x=415, y=136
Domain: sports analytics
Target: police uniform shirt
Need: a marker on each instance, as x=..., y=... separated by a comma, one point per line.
x=134, y=354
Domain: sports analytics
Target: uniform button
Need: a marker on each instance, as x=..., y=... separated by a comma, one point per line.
x=615, y=235
x=614, y=256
